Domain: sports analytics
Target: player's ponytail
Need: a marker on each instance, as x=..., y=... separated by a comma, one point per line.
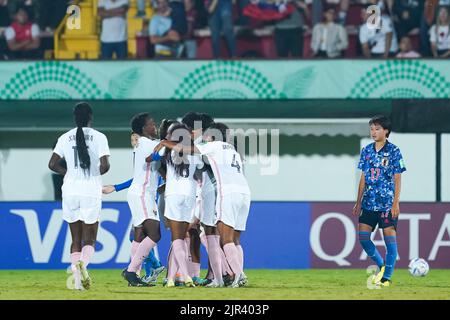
x=82, y=114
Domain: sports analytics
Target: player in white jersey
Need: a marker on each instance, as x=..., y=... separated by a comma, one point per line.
x=233, y=193
x=86, y=153
x=199, y=122
x=180, y=196
x=141, y=196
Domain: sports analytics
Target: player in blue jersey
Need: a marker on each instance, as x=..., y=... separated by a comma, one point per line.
x=378, y=196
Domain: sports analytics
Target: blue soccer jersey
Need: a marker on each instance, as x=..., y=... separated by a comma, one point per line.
x=379, y=169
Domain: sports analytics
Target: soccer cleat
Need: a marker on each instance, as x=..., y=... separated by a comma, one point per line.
x=188, y=282
x=200, y=282
x=156, y=272
x=170, y=283
x=239, y=281
x=215, y=284
x=243, y=281
x=384, y=282
x=133, y=280
x=86, y=281
x=379, y=275
x=227, y=280
x=148, y=280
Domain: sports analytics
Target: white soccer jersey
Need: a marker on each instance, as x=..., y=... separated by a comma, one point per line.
x=78, y=182
x=185, y=184
x=226, y=164
x=145, y=177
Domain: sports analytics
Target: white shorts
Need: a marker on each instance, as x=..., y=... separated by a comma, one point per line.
x=179, y=208
x=207, y=210
x=81, y=208
x=232, y=209
x=142, y=207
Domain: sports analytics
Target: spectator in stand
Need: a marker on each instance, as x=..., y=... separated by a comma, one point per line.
x=440, y=34
x=22, y=37
x=4, y=23
x=191, y=17
x=377, y=41
x=166, y=40
x=51, y=13
x=289, y=32
x=430, y=11
x=329, y=39
x=406, y=15
x=406, y=50
x=114, y=34
x=221, y=20
x=318, y=5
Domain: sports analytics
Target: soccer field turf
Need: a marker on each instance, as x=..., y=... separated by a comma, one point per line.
x=263, y=284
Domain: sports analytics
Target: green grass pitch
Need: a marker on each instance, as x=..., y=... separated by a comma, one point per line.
x=263, y=284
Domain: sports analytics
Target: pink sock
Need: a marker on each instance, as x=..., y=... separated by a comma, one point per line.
x=172, y=265
x=232, y=255
x=240, y=255
x=179, y=251
x=187, y=241
x=141, y=253
x=225, y=267
x=74, y=258
x=134, y=246
x=194, y=269
x=215, y=257
x=86, y=253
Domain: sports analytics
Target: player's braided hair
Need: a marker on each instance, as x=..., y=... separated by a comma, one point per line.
x=82, y=114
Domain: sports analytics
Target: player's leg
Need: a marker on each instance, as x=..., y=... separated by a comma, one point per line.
x=194, y=262
x=76, y=232
x=139, y=235
x=179, y=229
x=152, y=234
x=214, y=254
x=231, y=252
x=368, y=220
x=89, y=238
x=389, y=226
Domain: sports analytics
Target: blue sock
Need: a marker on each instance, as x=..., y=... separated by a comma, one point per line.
x=369, y=248
x=391, y=255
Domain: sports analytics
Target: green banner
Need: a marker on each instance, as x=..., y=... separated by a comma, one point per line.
x=181, y=80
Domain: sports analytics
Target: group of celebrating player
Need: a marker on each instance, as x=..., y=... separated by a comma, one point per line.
x=191, y=176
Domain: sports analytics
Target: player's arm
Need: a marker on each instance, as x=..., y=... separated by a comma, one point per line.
x=176, y=147
x=362, y=185
x=396, y=204
x=116, y=187
x=104, y=165
x=55, y=164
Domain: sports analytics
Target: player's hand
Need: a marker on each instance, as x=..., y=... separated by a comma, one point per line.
x=159, y=147
x=395, y=211
x=356, y=209
x=108, y=189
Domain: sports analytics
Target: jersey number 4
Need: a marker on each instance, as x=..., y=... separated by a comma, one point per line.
x=235, y=164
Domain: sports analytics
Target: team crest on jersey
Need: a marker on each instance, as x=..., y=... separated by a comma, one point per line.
x=385, y=162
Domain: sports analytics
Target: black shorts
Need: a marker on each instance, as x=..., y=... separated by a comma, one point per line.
x=381, y=218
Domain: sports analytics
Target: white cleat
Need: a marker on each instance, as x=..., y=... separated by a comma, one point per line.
x=215, y=284
x=86, y=281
